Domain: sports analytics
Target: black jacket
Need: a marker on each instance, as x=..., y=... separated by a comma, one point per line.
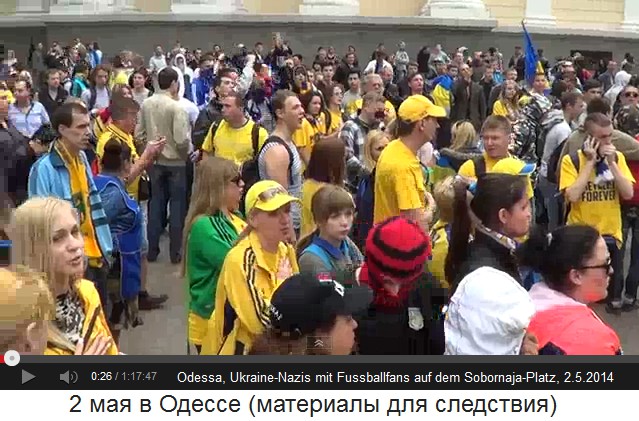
x=387, y=332
x=486, y=251
x=50, y=104
x=16, y=158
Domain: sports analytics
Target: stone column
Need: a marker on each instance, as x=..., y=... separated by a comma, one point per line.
x=456, y=9
x=631, y=16
x=539, y=13
x=330, y=7
x=207, y=6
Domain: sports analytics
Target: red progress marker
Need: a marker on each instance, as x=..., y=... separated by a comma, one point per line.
x=1, y=358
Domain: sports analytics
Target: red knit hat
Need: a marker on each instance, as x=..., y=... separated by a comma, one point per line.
x=397, y=248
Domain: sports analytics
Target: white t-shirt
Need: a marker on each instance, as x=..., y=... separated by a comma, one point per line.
x=102, y=98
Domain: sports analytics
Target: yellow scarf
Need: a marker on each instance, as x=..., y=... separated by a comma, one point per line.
x=80, y=198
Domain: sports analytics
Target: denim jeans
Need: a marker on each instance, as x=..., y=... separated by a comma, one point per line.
x=168, y=187
x=553, y=203
x=630, y=221
x=615, y=287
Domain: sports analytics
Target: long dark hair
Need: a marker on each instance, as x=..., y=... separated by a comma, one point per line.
x=554, y=255
x=115, y=155
x=327, y=162
x=492, y=193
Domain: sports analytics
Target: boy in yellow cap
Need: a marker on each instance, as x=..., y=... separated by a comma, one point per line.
x=400, y=189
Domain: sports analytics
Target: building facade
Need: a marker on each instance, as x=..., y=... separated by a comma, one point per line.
x=609, y=26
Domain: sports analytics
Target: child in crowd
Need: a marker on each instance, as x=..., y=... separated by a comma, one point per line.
x=328, y=249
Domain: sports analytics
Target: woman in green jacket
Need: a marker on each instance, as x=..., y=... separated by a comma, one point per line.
x=211, y=228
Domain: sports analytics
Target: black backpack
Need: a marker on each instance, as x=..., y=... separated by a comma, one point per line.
x=94, y=96
x=250, y=169
x=201, y=127
x=552, y=173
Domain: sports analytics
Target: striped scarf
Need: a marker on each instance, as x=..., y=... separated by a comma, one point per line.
x=80, y=199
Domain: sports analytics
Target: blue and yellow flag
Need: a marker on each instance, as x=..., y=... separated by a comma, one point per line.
x=532, y=64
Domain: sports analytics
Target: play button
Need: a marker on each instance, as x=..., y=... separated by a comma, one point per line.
x=27, y=377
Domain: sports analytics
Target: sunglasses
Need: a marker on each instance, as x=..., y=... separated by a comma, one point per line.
x=607, y=266
x=631, y=94
x=268, y=194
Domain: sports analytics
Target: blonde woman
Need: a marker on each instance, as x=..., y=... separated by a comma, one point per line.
x=509, y=102
x=375, y=143
x=464, y=146
x=212, y=226
x=46, y=237
x=260, y=260
x=25, y=308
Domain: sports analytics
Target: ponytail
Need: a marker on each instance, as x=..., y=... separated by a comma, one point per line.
x=458, y=248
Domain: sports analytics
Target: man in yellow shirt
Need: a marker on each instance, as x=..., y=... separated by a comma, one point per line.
x=400, y=189
x=124, y=117
x=496, y=133
x=593, y=181
x=233, y=137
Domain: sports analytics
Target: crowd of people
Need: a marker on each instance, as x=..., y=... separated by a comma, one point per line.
x=445, y=204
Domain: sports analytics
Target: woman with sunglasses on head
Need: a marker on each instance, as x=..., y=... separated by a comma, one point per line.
x=259, y=261
x=575, y=265
x=212, y=226
x=46, y=237
x=311, y=315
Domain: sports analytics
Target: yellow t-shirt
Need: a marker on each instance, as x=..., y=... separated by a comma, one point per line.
x=468, y=170
x=336, y=122
x=233, y=144
x=353, y=107
x=437, y=263
x=399, y=182
x=112, y=131
x=306, y=136
x=309, y=188
x=599, y=205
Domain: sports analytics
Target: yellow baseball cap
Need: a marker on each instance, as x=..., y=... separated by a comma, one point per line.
x=417, y=107
x=267, y=196
x=516, y=166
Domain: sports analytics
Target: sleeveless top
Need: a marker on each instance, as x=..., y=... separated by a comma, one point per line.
x=294, y=188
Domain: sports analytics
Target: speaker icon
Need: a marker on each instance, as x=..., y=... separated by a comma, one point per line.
x=69, y=377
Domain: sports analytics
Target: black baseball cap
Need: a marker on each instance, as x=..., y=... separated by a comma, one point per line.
x=305, y=302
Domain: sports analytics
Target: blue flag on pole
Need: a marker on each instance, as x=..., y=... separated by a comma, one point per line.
x=531, y=58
